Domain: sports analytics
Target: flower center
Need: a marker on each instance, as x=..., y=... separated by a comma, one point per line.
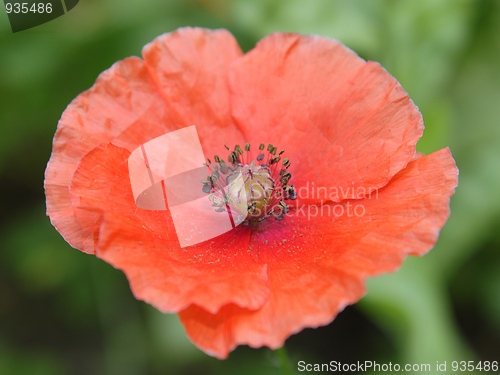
x=256, y=188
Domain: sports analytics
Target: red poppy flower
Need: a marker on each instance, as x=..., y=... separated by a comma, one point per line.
x=349, y=131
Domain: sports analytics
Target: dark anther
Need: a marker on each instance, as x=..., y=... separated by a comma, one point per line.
x=283, y=206
x=233, y=157
x=291, y=193
x=273, y=150
x=286, y=163
x=220, y=209
x=261, y=147
x=226, y=147
x=286, y=177
x=282, y=151
x=270, y=147
x=279, y=217
x=251, y=208
x=247, y=146
x=216, y=158
x=260, y=157
x=207, y=188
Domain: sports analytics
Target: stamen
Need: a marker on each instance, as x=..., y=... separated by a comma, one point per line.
x=207, y=189
x=290, y=192
x=275, y=160
x=264, y=195
x=286, y=177
x=238, y=150
x=223, y=167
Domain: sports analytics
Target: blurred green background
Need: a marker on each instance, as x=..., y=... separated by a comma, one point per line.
x=64, y=312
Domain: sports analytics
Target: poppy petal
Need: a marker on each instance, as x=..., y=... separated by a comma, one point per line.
x=326, y=266
x=144, y=244
x=123, y=106
x=126, y=106
x=190, y=67
x=346, y=122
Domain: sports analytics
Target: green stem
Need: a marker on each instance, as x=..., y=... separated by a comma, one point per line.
x=284, y=361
